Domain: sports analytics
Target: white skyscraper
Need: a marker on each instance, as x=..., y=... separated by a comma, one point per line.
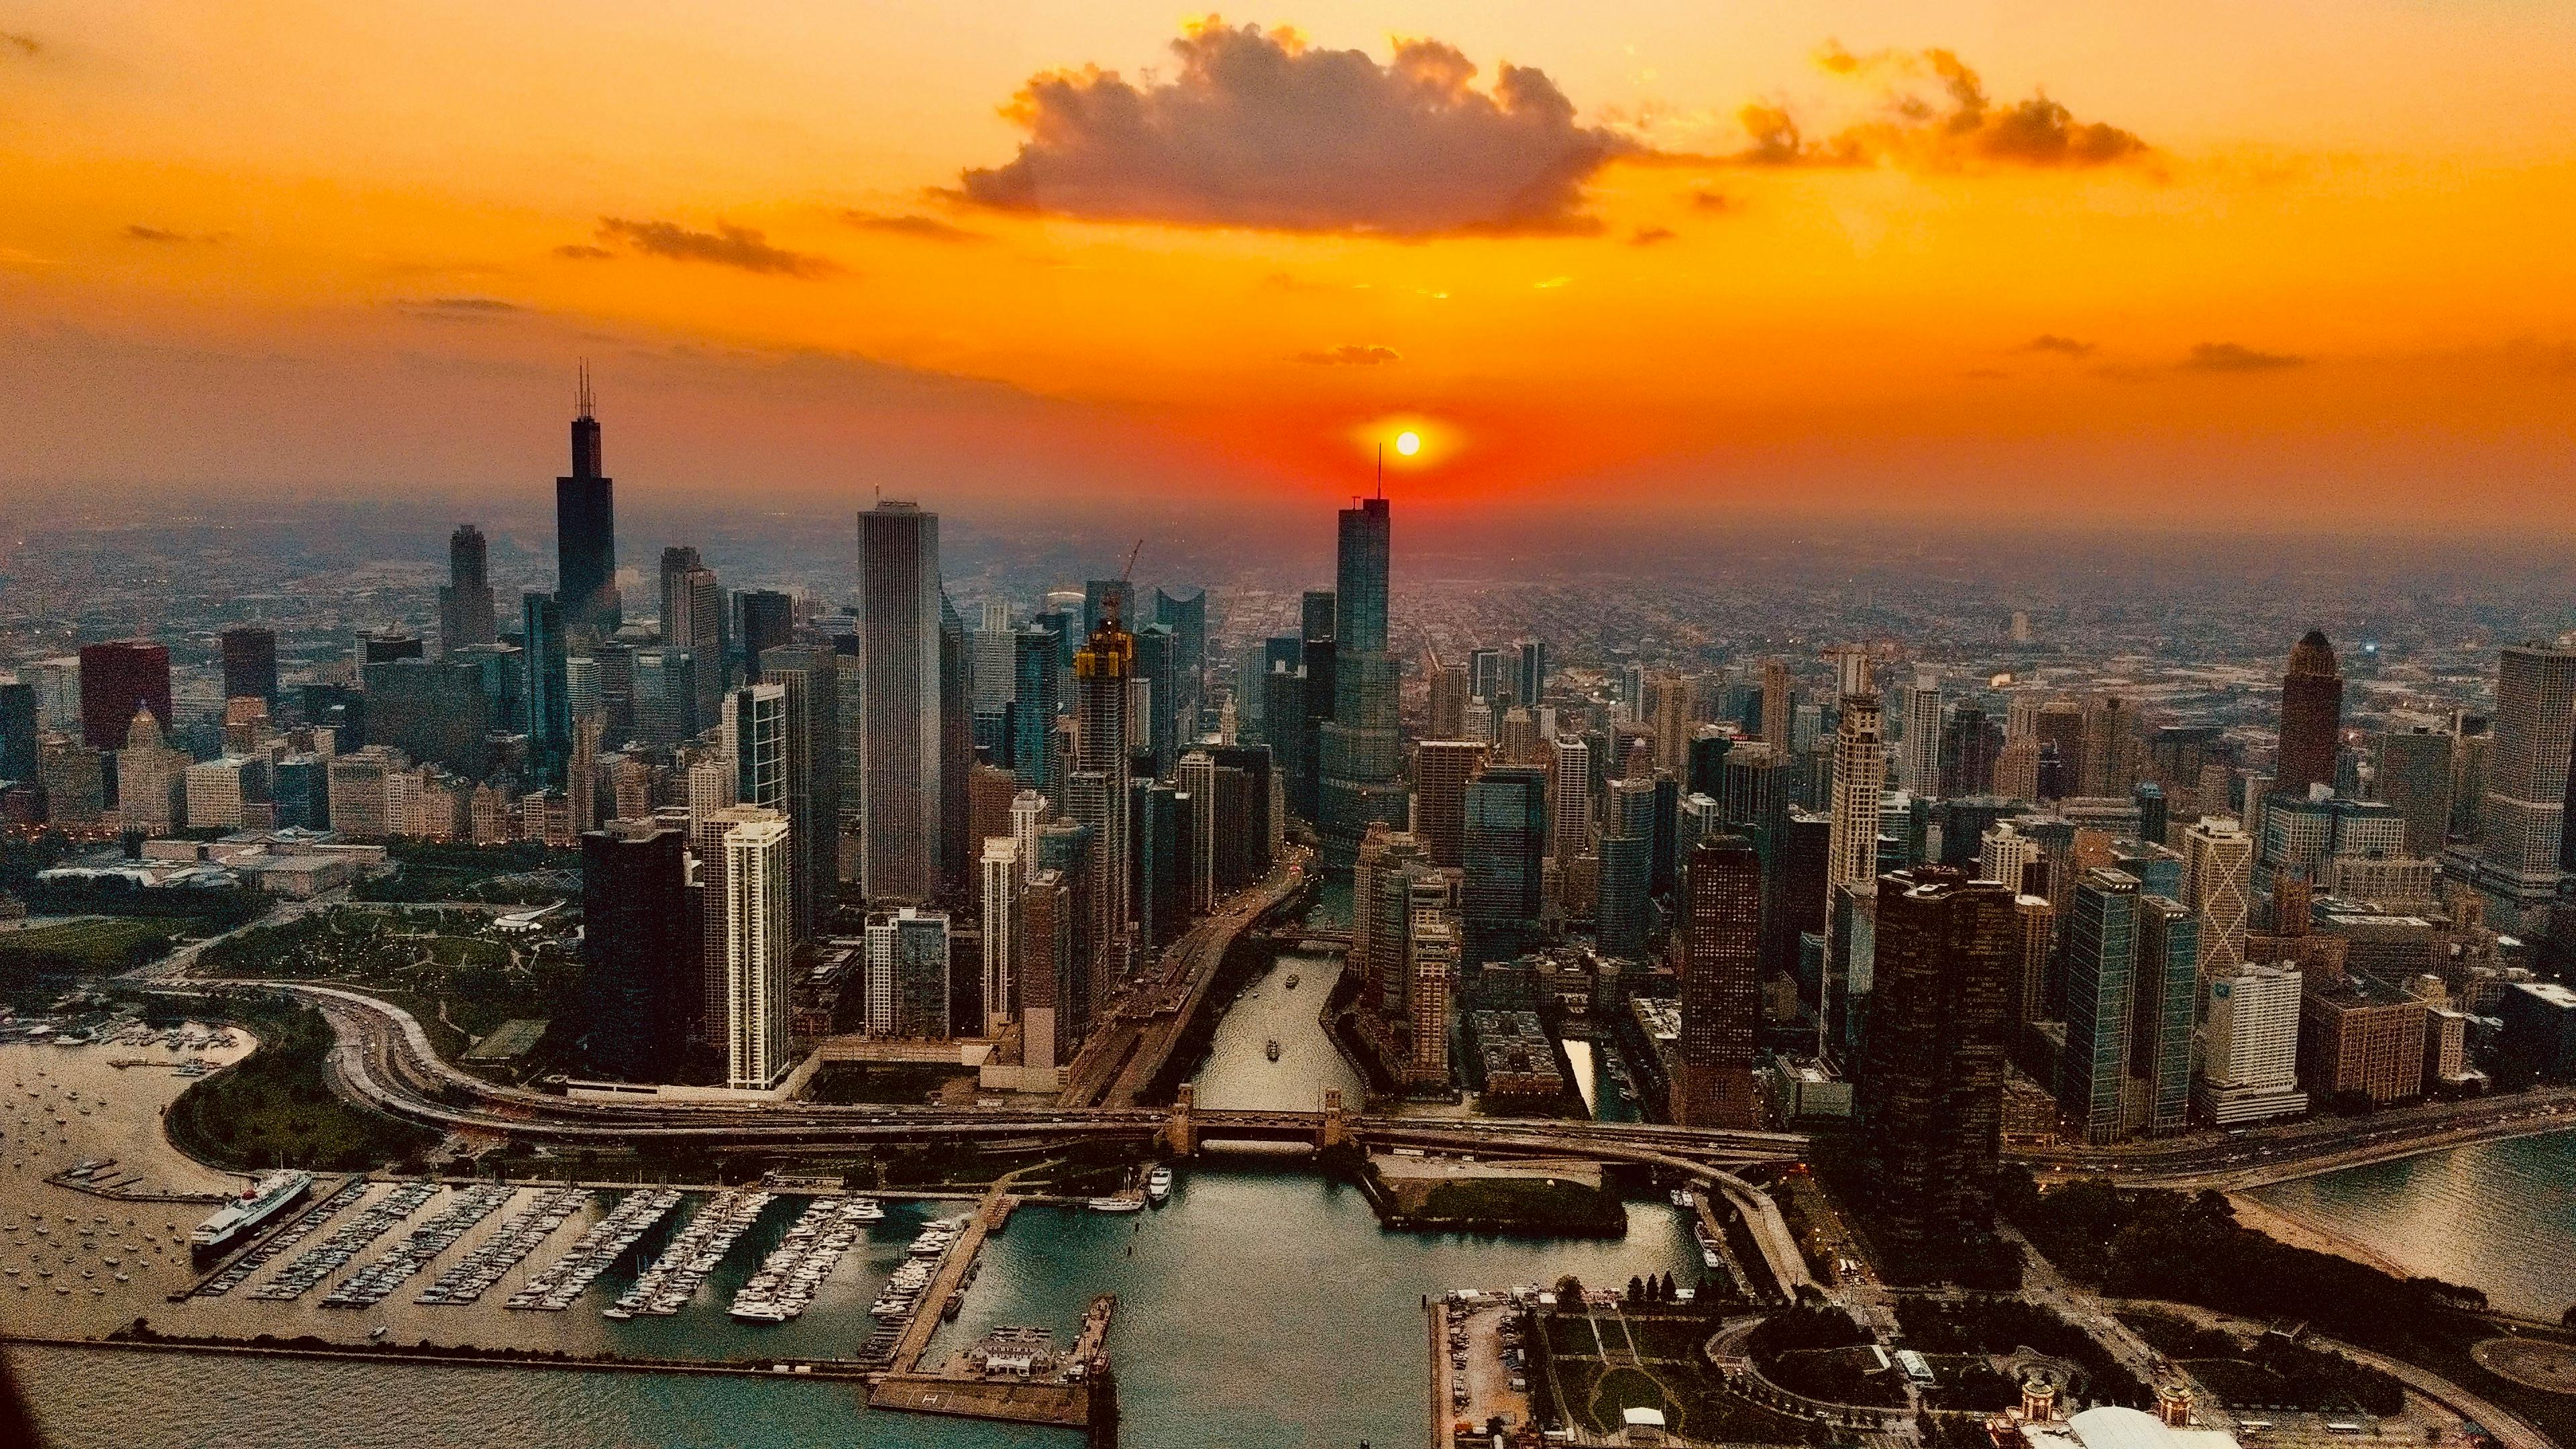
x=1919, y=760
x=2002, y=852
x=996, y=679
x=2218, y=886
x=1860, y=779
x=1569, y=798
x=1002, y=876
x=898, y=743
x=2522, y=814
x=2249, y=1045
x=759, y=950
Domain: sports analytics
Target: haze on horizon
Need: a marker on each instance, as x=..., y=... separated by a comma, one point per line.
x=2185, y=263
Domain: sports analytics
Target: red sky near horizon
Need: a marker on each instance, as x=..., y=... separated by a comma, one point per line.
x=2193, y=263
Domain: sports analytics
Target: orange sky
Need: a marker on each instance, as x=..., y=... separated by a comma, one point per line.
x=2310, y=263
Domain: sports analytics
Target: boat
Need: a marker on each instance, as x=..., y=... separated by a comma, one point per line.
x=1117, y=1204
x=258, y=1203
x=1293, y=979
x=1271, y=1049
x=1682, y=1198
x=1158, y=1185
x=377, y=1333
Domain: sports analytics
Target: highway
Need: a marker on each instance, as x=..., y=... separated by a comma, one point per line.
x=2257, y=1156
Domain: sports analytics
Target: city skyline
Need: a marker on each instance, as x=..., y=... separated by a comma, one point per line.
x=1709, y=268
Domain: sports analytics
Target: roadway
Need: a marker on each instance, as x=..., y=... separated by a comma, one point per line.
x=2257, y=1156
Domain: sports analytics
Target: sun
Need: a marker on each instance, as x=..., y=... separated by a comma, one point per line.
x=1408, y=442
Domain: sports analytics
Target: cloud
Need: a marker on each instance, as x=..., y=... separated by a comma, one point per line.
x=2062, y=346
x=1350, y=354
x=1259, y=131
x=2236, y=357
x=1647, y=236
x=163, y=236
x=928, y=228
x=727, y=246
x=1937, y=118
x=21, y=42
x=459, y=309
x=583, y=252
x=1704, y=199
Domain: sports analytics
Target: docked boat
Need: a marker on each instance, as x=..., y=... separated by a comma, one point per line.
x=1682, y=1199
x=1158, y=1185
x=1293, y=979
x=258, y=1203
x=1271, y=1049
x=1117, y=1204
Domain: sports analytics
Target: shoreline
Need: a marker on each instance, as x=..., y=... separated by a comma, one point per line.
x=2300, y=1230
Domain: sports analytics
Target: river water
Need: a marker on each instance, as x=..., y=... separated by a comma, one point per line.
x=2498, y=1216
x=1263, y=1308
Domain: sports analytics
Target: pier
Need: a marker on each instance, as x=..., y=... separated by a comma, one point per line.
x=1074, y=1391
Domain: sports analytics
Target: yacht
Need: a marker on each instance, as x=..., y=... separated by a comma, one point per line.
x=1293, y=979
x=1271, y=1049
x=256, y=1204
x=1158, y=1185
x=1117, y=1204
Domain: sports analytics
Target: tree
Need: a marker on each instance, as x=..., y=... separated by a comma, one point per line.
x=1569, y=1291
x=1636, y=1289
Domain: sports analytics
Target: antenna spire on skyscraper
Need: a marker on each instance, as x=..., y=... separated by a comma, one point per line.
x=581, y=390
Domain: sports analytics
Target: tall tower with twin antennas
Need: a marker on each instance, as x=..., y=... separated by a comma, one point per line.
x=586, y=532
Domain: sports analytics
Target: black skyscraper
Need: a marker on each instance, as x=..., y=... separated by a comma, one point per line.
x=767, y=620
x=639, y=955
x=465, y=616
x=586, y=535
x=250, y=663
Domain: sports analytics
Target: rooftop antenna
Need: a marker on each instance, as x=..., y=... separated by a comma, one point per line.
x=1381, y=467
x=581, y=390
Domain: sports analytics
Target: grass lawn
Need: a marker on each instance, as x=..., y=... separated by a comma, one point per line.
x=273, y=1108
x=1667, y=1371
x=100, y=945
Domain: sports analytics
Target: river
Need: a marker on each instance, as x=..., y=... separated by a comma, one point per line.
x=2496, y=1216
x=1264, y=1308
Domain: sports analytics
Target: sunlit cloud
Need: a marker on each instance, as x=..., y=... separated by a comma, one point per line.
x=2062, y=346
x=15, y=42
x=1350, y=354
x=1647, y=236
x=927, y=228
x=459, y=309
x=1935, y=116
x=1259, y=131
x=726, y=246
x=2236, y=357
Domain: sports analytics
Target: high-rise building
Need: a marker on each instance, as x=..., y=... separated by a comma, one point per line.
x=1049, y=973
x=2416, y=768
x=1097, y=789
x=1447, y=719
x=2101, y=981
x=1196, y=777
x=759, y=915
x=1503, y=843
x=1779, y=706
x=116, y=679
x=2164, y=1003
x=586, y=535
x=900, y=716
x=250, y=659
x=2523, y=814
x=549, y=691
x=1928, y=1094
x=2218, y=888
x=1186, y=616
x=150, y=777
x=1486, y=680
x=432, y=710
x=1859, y=782
x=1433, y=962
x=1919, y=752
x=637, y=990
x=1318, y=616
x=1719, y=961
x=1358, y=766
x=2249, y=1067
x=1569, y=798
x=2004, y=853
x=764, y=619
x=907, y=988
x=809, y=681
x=1529, y=672
x=1156, y=654
x=693, y=618
x=1441, y=770
x=1001, y=873
x=19, y=713
x=465, y=601
x=1037, y=696
x=2311, y=717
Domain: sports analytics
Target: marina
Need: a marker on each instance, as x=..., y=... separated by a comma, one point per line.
x=369, y=1285
x=667, y=1286
x=372, y=1222
x=519, y=1235
x=555, y=1286
x=789, y=1277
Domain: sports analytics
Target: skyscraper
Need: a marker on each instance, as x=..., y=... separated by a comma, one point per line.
x=2218, y=889
x=1102, y=670
x=2416, y=767
x=953, y=798
x=1001, y=871
x=18, y=732
x=1569, y=798
x=1448, y=714
x=1720, y=969
x=1186, y=616
x=1358, y=765
x=2523, y=815
x=2311, y=717
x=465, y=600
x=1929, y=1091
x=759, y=951
x=1919, y=760
x=693, y=618
x=2101, y=982
x=1529, y=672
x=586, y=534
x=549, y=691
x=1441, y=770
x=636, y=992
x=116, y=679
x=1779, y=706
x=899, y=709
x=1156, y=656
x=1503, y=847
x=1851, y=861
x=2166, y=999
x=250, y=659
x=2250, y=1046
x=1318, y=615
x=809, y=682
x=1037, y=692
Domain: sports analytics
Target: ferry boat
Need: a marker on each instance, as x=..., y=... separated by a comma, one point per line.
x=1158, y=1185
x=1271, y=1049
x=258, y=1203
